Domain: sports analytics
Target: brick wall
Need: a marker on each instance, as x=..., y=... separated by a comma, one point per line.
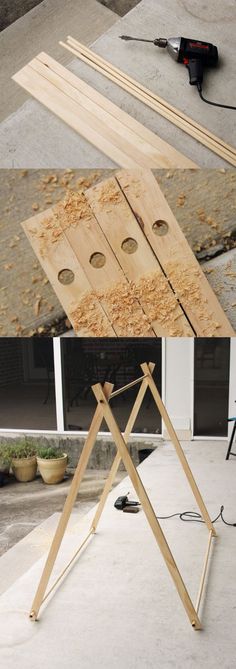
x=11, y=364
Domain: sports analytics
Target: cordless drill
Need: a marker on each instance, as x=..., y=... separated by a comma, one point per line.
x=195, y=54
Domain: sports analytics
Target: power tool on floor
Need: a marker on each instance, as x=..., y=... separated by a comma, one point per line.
x=122, y=503
x=195, y=54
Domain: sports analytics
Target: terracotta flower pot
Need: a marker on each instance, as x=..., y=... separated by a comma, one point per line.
x=52, y=470
x=24, y=469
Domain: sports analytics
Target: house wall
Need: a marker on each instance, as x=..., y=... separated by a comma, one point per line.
x=178, y=384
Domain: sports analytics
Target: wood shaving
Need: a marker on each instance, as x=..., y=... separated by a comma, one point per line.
x=186, y=282
x=124, y=311
x=153, y=292
x=88, y=319
x=109, y=192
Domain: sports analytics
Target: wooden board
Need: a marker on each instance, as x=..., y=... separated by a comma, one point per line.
x=113, y=274
x=107, y=280
x=84, y=113
x=174, y=254
x=58, y=260
x=137, y=259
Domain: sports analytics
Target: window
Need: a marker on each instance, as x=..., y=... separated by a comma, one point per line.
x=27, y=397
x=89, y=361
x=211, y=386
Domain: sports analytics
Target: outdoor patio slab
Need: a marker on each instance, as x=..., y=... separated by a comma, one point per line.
x=22, y=146
x=118, y=607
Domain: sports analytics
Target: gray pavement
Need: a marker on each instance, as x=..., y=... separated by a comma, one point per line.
x=23, y=145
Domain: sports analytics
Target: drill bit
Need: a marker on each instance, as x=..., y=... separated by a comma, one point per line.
x=159, y=41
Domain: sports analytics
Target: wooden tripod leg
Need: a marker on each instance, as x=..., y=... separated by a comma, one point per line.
x=117, y=460
x=147, y=508
x=69, y=503
x=179, y=450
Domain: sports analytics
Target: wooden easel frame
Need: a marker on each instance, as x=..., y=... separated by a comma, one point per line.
x=103, y=411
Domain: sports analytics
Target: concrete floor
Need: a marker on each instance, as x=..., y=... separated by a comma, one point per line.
x=118, y=606
x=24, y=146
x=203, y=202
x=26, y=505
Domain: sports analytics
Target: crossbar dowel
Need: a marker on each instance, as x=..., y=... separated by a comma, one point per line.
x=63, y=572
x=204, y=571
x=128, y=385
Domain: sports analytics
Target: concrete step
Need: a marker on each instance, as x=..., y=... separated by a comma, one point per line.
x=40, y=30
x=29, y=516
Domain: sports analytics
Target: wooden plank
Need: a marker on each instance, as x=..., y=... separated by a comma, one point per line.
x=108, y=281
x=69, y=503
x=60, y=263
x=157, y=148
x=140, y=151
x=95, y=130
x=147, y=508
x=137, y=259
x=71, y=113
x=174, y=254
x=156, y=103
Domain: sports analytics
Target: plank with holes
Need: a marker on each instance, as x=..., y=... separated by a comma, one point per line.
x=119, y=249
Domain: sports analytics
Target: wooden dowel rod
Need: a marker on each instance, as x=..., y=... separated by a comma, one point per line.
x=179, y=450
x=211, y=144
x=128, y=385
x=97, y=58
x=204, y=571
x=68, y=565
x=172, y=114
x=68, y=506
x=217, y=147
x=117, y=460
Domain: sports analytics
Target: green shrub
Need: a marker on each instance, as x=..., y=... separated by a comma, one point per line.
x=49, y=452
x=5, y=454
x=22, y=449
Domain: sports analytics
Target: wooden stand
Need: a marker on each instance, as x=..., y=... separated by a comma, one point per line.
x=103, y=411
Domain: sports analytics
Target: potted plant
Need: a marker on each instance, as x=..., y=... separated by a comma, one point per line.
x=23, y=460
x=52, y=463
x=5, y=462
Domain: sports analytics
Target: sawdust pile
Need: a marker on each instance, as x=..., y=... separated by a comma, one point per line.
x=109, y=192
x=186, y=282
x=72, y=209
x=125, y=313
x=88, y=318
x=160, y=304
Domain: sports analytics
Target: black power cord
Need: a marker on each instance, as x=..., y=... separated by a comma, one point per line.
x=194, y=516
x=209, y=102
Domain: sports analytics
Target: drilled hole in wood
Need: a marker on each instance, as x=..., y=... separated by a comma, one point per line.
x=66, y=276
x=97, y=260
x=129, y=245
x=160, y=228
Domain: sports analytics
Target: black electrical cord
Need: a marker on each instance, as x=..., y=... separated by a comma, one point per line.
x=209, y=102
x=194, y=516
